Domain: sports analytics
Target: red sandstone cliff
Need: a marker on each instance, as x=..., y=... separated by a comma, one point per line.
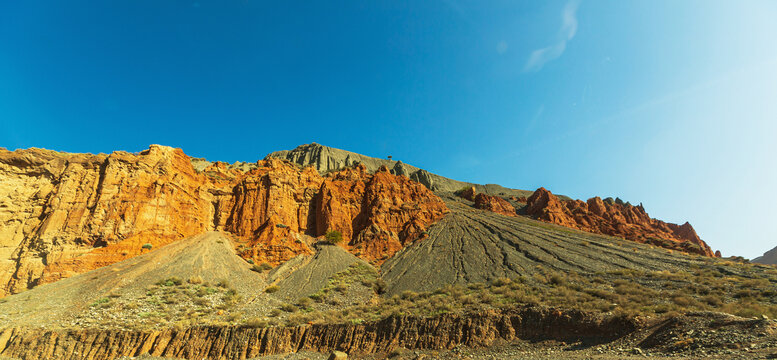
x=377, y=214
x=63, y=214
x=611, y=218
x=488, y=202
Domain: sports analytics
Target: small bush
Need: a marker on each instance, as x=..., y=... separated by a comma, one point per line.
x=712, y=300
x=257, y=323
x=556, y=279
x=101, y=302
x=173, y=281
x=271, y=289
x=409, y=295
x=147, y=246
x=379, y=286
x=288, y=308
x=304, y=302
x=333, y=237
x=261, y=267
x=341, y=288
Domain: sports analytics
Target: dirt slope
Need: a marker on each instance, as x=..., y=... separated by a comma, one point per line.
x=209, y=256
x=471, y=245
x=312, y=273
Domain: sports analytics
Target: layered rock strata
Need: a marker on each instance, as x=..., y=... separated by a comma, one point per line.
x=443, y=332
x=615, y=219
x=62, y=214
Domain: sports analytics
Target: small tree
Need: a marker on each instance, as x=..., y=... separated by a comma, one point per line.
x=333, y=237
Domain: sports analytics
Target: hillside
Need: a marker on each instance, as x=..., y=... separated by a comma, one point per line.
x=121, y=254
x=769, y=257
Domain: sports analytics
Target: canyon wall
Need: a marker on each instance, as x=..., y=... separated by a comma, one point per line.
x=63, y=214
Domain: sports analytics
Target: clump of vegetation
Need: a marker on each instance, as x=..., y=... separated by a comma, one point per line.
x=288, y=308
x=172, y=281
x=147, y=246
x=333, y=237
x=170, y=302
x=261, y=267
x=271, y=289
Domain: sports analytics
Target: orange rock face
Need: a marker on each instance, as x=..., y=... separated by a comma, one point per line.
x=488, y=202
x=616, y=219
x=376, y=214
x=63, y=214
x=86, y=210
x=494, y=204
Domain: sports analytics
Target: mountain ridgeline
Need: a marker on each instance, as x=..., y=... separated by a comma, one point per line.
x=63, y=214
x=320, y=249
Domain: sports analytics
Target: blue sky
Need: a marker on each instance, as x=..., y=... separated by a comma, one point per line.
x=668, y=103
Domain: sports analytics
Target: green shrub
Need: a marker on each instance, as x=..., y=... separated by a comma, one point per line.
x=257, y=323
x=288, y=308
x=304, y=302
x=261, y=267
x=147, y=246
x=271, y=289
x=333, y=237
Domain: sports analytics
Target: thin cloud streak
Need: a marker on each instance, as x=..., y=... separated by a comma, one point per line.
x=538, y=58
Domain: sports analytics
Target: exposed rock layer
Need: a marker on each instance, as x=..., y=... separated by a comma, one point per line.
x=443, y=332
x=326, y=159
x=616, y=219
x=62, y=214
x=494, y=204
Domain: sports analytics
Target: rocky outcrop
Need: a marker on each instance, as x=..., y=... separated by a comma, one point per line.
x=494, y=204
x=487, y=202
x=443, y=332
x=615, y=218
x=376, y=214
x=68, y=213
x=62, y=214
x=326, y=159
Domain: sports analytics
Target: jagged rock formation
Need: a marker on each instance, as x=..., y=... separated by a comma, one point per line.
x=769, y=257
x=487, y=202
x=377, y=214
x=326, y=159
x=615, y=219
x=442, y=332
x=62, y=214
x=494, y=204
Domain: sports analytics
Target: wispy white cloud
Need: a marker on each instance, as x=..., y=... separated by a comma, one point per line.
x=538, y=58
